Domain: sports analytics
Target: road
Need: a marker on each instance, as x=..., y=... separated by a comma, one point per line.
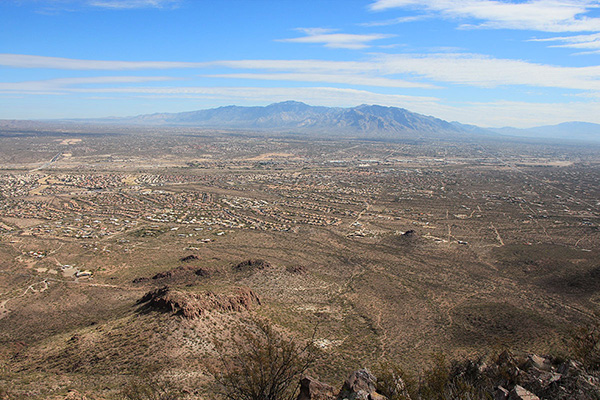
x=47, y=164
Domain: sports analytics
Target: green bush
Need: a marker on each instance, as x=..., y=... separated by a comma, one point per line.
x=264, y=365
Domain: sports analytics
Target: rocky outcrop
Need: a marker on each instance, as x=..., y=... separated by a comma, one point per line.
x=193, y=305
x=312, y=389
x=533, y=377
x=183, y=273
x=506, y=377
x=252, y=264
x=360, y=385
x=179, y=272
x=520, y=393
x=296, y=269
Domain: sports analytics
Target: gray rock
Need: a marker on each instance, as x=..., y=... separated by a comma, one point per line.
x=312, y=389
x=360, y=385
x=541, y=363
x=520, y=393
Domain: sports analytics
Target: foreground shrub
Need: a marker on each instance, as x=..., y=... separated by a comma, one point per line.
x=264, y=365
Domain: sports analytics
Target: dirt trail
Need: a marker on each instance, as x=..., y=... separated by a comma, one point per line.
x=497, y=234
x=367, y=206
x=44, y=286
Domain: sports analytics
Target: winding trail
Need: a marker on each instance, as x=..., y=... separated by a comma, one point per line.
x=44, y=283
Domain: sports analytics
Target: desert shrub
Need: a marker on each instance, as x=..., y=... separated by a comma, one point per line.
x=150, y=388
x=264, y=365
x=584, y=345
x=442, y=381
x=434, y=380
x=394, y=382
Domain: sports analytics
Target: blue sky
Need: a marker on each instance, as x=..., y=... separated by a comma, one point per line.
x=485, y=62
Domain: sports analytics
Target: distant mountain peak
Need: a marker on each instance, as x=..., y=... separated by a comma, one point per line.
x=571, y=131
x=289, y=103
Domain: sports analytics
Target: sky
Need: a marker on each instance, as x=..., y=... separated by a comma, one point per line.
x=491, y=63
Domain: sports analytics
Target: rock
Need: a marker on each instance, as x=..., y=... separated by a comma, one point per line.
x=251, y=265
x=203, y=272
x=296, y=269
x=541, y=363
x=520, y=393
x=193, y=305
x=570, y=367
x=506, y=358
x=178, y=272
x=189, y=258
x=75, y=395
x=501, y=393
x=312, y=389
x=360, y=385
x=539, y=380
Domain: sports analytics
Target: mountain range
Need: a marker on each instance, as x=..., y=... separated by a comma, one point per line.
x=364, y=121
x=367, y=121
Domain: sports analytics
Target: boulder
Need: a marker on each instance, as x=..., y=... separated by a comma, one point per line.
x=520, y=393
x=312, y=389
x=360, y=385
x=501, y=393
x=541, y=363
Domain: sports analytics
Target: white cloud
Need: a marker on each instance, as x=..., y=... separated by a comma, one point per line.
x=326, y=96
x=396, y=21
x=53, y=7
x=465, y=69
x=131, y=4
x=380, y=69
x=348, y=79
x=482, y=71
x=28, y=61
x=540, y=15
x=62, y=85
x=327, y=38
x=583, y=42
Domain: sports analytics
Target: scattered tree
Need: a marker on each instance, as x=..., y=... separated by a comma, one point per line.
x=264, y=365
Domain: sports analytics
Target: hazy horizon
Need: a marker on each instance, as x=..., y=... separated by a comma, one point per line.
x=482, y=62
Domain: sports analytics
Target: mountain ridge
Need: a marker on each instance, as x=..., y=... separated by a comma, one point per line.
x=363, y=121
x=572, y=130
